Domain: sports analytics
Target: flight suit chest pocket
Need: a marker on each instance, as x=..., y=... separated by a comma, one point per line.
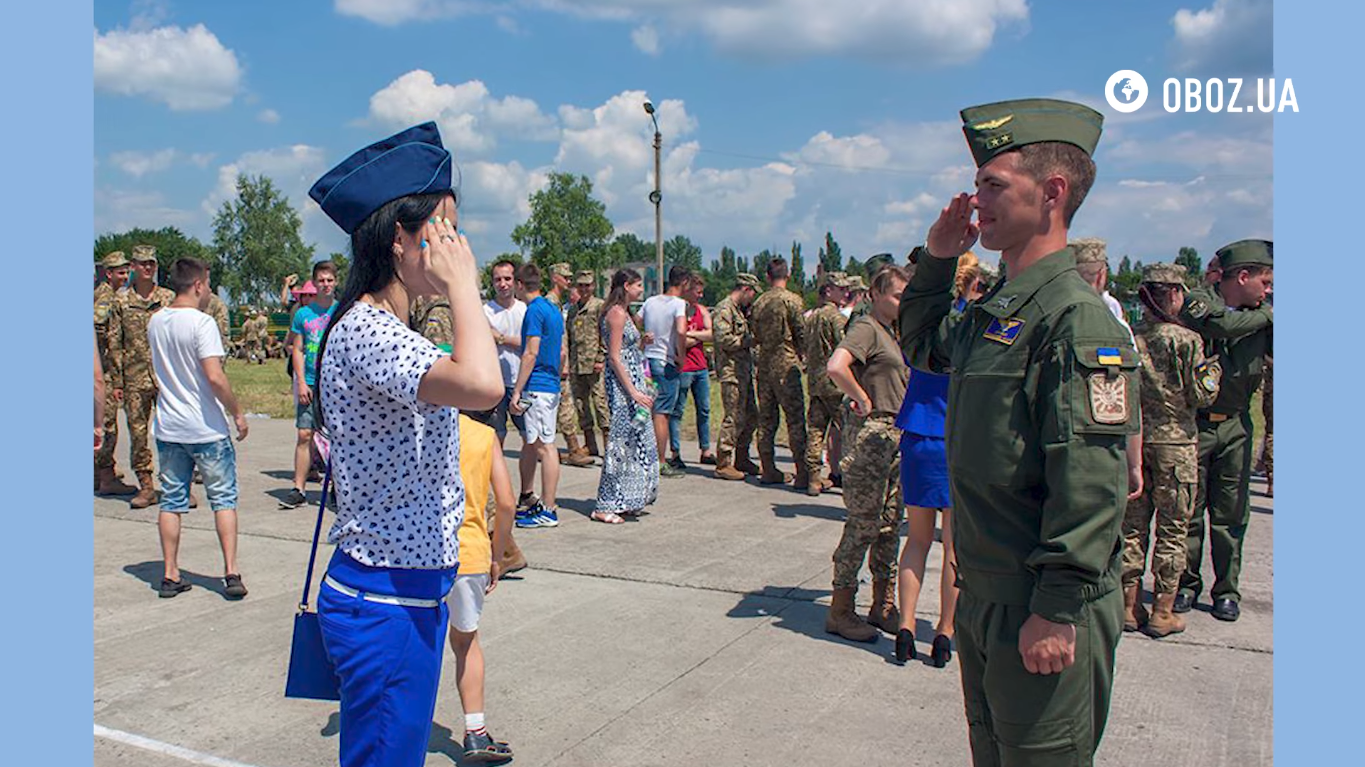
x=988, y=418
x=1102, y=390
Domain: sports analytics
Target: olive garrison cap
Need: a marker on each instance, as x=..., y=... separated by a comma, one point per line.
x=561, y=269
x=746, y=280
x=992, y=129
x=144, y=253
x=586, y=277
x=1090, y=250
x=409, y=162
x=114, y=260
x=1247, y=253
x=1164, y=274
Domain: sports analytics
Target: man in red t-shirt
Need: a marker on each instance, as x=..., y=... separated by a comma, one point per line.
x=696, y=376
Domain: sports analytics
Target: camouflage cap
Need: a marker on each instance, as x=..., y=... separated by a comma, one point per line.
x=586, y=277
x=746, y=280
x=114, y=260
x=1090, y=250
x=1164, y=274
x=837, y=279
x=1247, y=253
x=992, y=129
x=562, y=269
x=855, y=282
x=144, y=253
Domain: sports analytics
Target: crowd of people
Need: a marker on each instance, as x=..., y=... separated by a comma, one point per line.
x=1058, y=449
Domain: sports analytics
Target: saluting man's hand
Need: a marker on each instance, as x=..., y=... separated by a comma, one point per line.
x=954, y=232
x=1047, y=647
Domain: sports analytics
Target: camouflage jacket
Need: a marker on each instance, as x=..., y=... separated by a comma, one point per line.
x=430, y=316
x=1239, y=339
x=105, y=295
x=585, y=338
x=1176, y=382
x=734, y=342
x=824, y=331
x=130, y=354
x=218, y=311
x=778, y=330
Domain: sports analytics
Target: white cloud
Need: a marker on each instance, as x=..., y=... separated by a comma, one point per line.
x=509, y=25
x=646, y=39
x=391, y=13
x=1229, y=38
x=293, y=169
x=118, y=210
x=187, y=69
x=470, y=118
x=1151, y=220
x=1250, y=157
x=268, y=116
x=139, y=164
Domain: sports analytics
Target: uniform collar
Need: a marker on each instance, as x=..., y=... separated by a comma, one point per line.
x=1012, y=293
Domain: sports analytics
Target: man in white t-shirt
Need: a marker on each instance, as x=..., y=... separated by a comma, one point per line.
x=191, y=428
x=505, y=315
x=665, y=320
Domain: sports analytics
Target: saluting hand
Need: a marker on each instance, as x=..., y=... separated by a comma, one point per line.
x=1047, y=647
x=954, y=232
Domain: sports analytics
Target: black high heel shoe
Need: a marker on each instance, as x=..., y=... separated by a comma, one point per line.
x=942, y=652
x=905, y=645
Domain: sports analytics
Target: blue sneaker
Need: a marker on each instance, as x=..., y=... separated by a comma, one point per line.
x=528, y=518
x=547, y=516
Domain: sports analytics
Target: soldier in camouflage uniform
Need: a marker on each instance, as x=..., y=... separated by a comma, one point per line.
x=781, y=340
x=824, y=331
x=108, y=481
x=218, y=311
x=566, y=418
x=735, y=373
x=587, y=357
x=855, y=302
x=130, y=363
x=1176, y=383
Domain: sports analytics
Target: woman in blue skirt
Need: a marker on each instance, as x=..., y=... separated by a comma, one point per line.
x=924, y=490
x=388, y=399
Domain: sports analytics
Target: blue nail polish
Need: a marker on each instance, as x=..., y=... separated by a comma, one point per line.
x=460, y=232
x=431, y=221
x=424, y=243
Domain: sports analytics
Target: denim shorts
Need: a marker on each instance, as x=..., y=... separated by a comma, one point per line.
x=217, y=462
x=667, y=380
x=305, y=416
x=497, y=417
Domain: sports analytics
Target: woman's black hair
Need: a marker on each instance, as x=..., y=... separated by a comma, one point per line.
x=373, y=265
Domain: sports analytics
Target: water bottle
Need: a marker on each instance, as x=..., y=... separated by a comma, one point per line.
x=642, y=414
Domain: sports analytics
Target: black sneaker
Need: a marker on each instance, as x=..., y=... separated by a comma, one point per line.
x=170, y=588
x=481, y=748
x=233, y=587
x=293, y=499
x=677, y=463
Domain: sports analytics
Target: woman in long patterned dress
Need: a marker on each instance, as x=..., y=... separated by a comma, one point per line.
x=630, y=468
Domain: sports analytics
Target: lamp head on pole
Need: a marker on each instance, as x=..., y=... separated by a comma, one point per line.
x=649, y=110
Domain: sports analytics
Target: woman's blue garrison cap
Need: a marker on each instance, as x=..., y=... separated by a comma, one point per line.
x=411, y=162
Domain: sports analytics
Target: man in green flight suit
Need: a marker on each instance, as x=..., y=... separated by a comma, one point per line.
x=1236, y=327
x=1042, y=398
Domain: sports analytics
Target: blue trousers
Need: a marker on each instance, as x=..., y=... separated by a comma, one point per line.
x=388, y=659
x=699, y=384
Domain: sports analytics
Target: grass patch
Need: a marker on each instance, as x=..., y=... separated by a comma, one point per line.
x=264, y=389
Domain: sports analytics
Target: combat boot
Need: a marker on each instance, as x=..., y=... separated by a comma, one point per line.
x=1134, y=613
x=112, y=485
x=730, y=473
x=512, y=559
x=590, y=442
x=577, y=455
x=842, y=620
x=802, y=477
x=746, y=465
x=770, y=475
x=146, y=494
x=1163, y=621
x=884, y=613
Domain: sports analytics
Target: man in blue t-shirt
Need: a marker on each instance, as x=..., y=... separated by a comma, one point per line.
x=306, y=329
x=536, y=395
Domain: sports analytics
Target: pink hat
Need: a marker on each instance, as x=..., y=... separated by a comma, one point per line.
x=308, y=289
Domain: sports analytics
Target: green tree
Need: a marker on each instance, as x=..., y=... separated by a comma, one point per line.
x=566, y=224
x=855, y=266
x=258, y=239
x=343, y=265
x=170, y=243
x=1123, y=284
x=1194, y=266
x=831, y=258
x=629, y=249
x=798, y=267
x=681, y=251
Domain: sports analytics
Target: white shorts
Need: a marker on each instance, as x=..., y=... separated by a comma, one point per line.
x=465, y=601
x=541, y=416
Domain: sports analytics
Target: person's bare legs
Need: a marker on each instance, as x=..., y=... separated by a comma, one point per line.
x=661, y=435
x=168, y=524
x=549, y=473
x=226, y=523
x=468, y=670
x=919, y=537
x=947, y=594
x=303, y=458
x=526, y=464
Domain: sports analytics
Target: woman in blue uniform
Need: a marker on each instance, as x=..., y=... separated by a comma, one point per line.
x=388, y=399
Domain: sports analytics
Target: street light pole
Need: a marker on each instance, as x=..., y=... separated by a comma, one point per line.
x=656, y=197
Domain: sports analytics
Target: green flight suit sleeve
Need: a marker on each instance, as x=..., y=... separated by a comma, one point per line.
x=1086, y=410
x=925, y=324
x=1207, y=316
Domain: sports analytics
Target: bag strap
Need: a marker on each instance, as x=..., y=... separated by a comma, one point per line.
x=317, y=533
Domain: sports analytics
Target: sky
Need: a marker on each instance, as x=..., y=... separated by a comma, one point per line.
x=781, y=119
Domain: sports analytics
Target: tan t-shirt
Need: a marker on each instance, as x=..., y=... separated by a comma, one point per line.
x=877, y=364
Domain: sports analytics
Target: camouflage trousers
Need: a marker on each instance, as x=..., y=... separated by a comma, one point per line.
x=1170, y=476
x=566, y=419
x=822, y=416
x=740, y=420
x=137, y=405
x=781, y=388
x=872, y=494
x=590, y=402
x=105, y=457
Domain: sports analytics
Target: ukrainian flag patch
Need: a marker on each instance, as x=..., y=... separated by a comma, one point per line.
x=1109, y=355
x=1004, y=331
